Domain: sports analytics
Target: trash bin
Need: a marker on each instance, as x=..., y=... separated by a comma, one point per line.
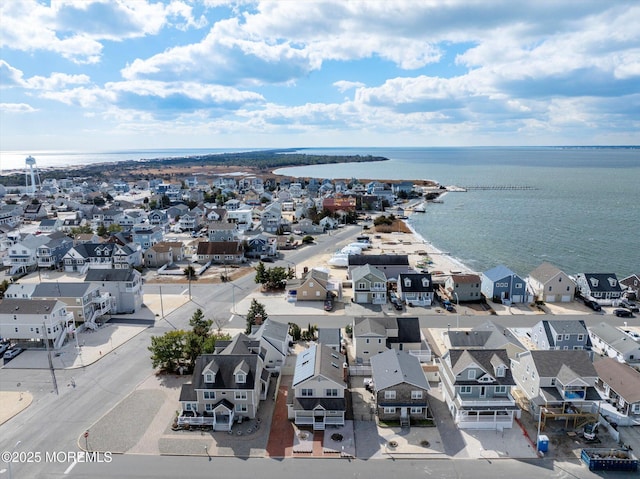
x=543, y=443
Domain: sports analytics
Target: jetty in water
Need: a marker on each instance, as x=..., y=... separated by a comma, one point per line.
x=490, y=187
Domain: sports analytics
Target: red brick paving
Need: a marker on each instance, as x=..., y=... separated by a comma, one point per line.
x=280, y=442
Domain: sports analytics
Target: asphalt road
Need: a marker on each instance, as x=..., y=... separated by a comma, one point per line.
x=202, y=467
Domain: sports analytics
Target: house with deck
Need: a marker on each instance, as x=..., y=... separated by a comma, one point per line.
x=557, y=385
x=369, y=285
x=476, y=384
x=462, y=287
x=400, y=387
x=561, y=334
x=317, y=394
x=390, y=264
x=603, y=287
x=34, y=321
x=415, y=289
x=226, y=386
x=123, y=285
x=500, y=284
x=614, y=343
x=620, y=385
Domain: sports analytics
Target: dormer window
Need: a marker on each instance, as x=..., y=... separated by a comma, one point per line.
x=407, y=282
x=500, y=371
x=208, y=378
x=594, y=282
x=241, y=378
x=425, y=283
x=612, y=282
x=471, y=374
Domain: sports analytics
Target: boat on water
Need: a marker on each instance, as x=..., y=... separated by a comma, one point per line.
x=420, y=209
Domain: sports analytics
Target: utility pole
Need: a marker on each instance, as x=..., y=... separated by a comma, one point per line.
x=53, y=372
x=161, y=307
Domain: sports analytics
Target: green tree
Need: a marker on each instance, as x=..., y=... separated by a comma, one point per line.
x=153, y=204
x=201, y=327
x=261, y=273
x=3, y=288
x=165, y=201
x=256, y=314
x=307, y=239
x=101, y=230
x=169, y=350
x=190, y=272
x=295, y=331
x=114, y=228
x=82, y=229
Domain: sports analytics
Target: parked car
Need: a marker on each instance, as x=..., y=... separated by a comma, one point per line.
x=622, y=313
x=3, y=347
x=266, y=259
x=592, y=304
x=393, y=299
x=328, y=302
x=631, y=306
x=448, y=305
x=11, y=353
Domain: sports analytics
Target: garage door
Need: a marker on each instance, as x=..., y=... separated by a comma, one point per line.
x=551, y=298
x=566, y=299
x=361, y=298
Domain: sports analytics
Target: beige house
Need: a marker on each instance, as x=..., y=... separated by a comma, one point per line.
x=313, y=286
x=551, y=285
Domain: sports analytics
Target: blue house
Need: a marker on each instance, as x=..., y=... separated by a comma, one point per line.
x=502, y=284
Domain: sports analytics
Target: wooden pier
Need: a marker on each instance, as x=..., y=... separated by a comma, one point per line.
x=497, y=187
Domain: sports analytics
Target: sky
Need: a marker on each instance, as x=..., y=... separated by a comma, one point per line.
x=105, y=75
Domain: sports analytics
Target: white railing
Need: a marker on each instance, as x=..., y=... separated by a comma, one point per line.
x=493, y=402
x=424, y=355
x=196, y=421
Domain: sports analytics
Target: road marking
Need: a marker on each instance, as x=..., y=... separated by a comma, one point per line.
x=68, y=470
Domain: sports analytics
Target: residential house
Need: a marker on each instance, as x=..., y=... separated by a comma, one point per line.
x=603, y=287
x=369, y=285
x=241, y=216
x=29, y=320
x=400, y=387
x=307, y=227
x=331, y=337
x=220, y=252
x=390, y=264
x=23, y=254
x=372, y=336
x=274, y=340
x=550, y=284
x=612, y=342
x=338, y=202
x=259, y=246
x=146, y=235
x=461, y=288
x=500, y=284
x=85, y=301
x=223, y=231
x=50, y=225
x=620, y=385
x=561, y=334
x=83, y=256
x=313, y=286
x=476, y=384
x=51, y=253
x=225, y=386
x=415, y=289
x=131, y=218
x=317, y=395
x=557, y=384
x=159, y=255
x=158, y=218
x=271, y=218
x=34, y=212
x=123, y=285
x=488, y=335
x=631, y=285
x=10, y=215
x=328, y=223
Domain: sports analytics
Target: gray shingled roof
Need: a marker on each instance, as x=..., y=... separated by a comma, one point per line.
x=549, y=363
x=379, y=259
x=109, y=275
x=393, y=367
x=614, y=337
x=461, y=359
x=61, y=290
x=545, y=272
x=622, y=378
x=27, y=306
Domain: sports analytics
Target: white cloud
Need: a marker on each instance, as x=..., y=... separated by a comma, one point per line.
x=16, y=108
x=344, y=85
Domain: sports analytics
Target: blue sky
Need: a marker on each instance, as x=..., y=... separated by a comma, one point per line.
x=108, y=75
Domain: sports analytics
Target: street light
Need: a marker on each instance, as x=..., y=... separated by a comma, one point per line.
x=457, y=310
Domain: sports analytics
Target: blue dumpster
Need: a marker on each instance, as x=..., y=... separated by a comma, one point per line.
x=543, y=443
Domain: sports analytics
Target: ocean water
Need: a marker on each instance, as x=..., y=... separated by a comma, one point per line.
x=582, y=213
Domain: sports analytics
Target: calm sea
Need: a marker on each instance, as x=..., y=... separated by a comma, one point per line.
x=582, y=213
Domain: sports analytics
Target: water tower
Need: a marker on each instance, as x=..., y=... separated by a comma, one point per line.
x=31, y=171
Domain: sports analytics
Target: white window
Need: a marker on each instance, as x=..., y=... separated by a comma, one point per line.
x=559, y=337
x=209, y=394
x=471, y=374
x=241, y=378
x=306, y=392
x=465, y=389
x=416, y=394
x=208, y=407
x=208, y=378
x=241, y=408
x=580, y=337
x=501, y=389
x=567, y=337
x=331, y=393
x=362, y=285
x=389, y=394
x=553, y=381
x=416, y=410
x=500, y=370
x=241, y=395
